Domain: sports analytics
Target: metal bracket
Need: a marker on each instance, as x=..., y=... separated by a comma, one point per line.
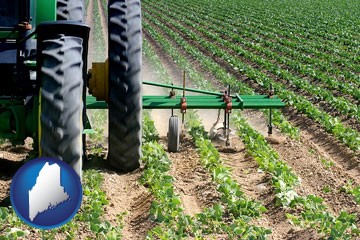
x=228, y=100
x=172, y=95
x=183, y=105
x=240, y=100
x=271, y=95
x=183, y=100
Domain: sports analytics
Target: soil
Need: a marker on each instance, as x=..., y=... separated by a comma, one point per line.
x=126, y=195
x=192, y=182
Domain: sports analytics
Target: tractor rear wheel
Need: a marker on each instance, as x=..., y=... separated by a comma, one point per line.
x=125, y=97
x=71, y=10
x=61, y=103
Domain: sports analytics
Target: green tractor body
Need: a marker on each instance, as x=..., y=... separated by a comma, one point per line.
x=19, y=86
x=31, y=67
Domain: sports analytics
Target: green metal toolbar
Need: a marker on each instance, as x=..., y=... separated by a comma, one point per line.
x=210, y=100
x=199, y=102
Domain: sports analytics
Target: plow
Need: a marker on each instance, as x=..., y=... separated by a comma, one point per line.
x=47, y=87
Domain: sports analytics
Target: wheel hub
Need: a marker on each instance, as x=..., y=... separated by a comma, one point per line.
x=99, y=80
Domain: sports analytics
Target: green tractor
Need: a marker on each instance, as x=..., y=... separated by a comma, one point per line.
x=44, y=77
x=43, y=65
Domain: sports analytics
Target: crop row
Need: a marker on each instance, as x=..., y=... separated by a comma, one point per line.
x=275, y=52
x=353, y=190
x=348, y=136
x=340, y=104
x=282, y=177
x=241, y=22
x=343, y=48
x=240, y=208
x=313, y=18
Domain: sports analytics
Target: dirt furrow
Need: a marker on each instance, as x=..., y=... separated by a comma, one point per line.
x=127, y=196
x=319, y=173
x=192, y=182
x=313, y=134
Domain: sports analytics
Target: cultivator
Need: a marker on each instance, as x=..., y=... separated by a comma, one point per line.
x=45, y=78
x=207, y=100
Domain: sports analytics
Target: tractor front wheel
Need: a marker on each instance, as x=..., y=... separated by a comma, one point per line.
x=61, y=103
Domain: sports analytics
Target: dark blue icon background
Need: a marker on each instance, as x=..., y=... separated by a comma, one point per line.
x=25, y=179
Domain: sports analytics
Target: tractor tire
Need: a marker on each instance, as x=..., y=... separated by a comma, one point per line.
x=71, y=10
x=174, y=134
x=61, y=103
x=74, y=10
x=125, y=95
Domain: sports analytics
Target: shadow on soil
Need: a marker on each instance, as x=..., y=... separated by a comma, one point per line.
x=8, y=169
x=99, y=162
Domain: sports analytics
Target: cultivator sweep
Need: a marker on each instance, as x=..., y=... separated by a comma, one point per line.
x=45, y=80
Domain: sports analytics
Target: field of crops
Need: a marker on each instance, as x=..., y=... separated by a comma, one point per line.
x=309, y=51
x=304, y=183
